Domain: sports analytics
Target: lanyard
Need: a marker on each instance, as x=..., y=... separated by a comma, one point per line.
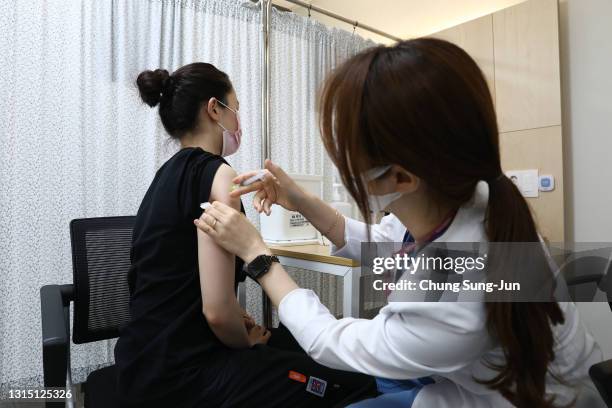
x=410, y=246
x=436, y=233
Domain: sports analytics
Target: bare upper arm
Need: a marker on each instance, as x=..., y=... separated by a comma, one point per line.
x=216, y=265
x=221, y=187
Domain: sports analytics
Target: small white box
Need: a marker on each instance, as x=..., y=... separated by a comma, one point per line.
x=526, y=181
x=284, y=227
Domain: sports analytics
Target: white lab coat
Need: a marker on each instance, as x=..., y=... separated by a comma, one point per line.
x=448, y=341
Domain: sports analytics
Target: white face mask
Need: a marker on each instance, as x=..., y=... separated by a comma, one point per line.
x=379, y=203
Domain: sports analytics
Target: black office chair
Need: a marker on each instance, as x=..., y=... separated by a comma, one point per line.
x=100, y=259
x=592, y=273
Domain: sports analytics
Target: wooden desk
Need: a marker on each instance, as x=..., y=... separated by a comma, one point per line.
x=317, y=258
x=312, y=252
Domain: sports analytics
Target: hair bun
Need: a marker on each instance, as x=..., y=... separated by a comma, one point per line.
x=151, y=84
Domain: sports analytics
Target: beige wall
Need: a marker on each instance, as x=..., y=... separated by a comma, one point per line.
x=476, y=38
x=518, y=50
x=527, y=79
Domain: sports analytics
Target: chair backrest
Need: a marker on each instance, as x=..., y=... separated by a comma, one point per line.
x=597, y=271
x=101, y=261
x=593, y=270
x=606, y=283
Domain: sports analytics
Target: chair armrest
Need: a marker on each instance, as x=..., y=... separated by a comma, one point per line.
x=55, y=334
x=601, y=374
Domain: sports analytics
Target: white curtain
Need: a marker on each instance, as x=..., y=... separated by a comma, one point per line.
x=302, y=54
x=75, y=140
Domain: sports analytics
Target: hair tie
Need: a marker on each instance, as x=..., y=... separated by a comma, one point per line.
x=167, y=85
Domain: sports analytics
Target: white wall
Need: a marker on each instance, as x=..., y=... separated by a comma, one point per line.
x=586, y=68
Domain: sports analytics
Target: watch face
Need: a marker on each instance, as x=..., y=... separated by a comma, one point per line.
x=260, y=265
x=260, y=262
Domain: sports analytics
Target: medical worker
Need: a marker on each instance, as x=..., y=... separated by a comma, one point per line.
x=412, y=130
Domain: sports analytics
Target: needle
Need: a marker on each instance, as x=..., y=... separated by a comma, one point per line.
x=250, y=180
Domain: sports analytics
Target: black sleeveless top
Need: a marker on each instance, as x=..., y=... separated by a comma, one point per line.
x=167, y=352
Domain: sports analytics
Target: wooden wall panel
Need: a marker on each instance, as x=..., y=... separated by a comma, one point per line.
x=539, y=149
x=527, y=75
x=518, y=50
x=476, y=38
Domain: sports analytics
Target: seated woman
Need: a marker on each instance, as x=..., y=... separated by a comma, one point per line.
x=189, y=343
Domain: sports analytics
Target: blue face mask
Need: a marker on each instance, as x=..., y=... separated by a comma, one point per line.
x=379, y=203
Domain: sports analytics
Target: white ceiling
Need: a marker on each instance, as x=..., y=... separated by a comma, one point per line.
x=402, y=18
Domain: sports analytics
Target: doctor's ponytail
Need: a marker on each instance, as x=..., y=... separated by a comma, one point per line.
x=425, y=105
x=523, y=329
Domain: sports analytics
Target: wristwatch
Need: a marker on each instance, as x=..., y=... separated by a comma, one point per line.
x=259, y=266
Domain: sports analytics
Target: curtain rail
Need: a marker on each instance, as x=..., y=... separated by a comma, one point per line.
x=354, y=23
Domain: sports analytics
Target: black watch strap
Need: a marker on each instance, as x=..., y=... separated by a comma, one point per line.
x=260, y=266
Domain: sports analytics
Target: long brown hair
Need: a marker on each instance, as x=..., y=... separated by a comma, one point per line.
x=424, y=105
